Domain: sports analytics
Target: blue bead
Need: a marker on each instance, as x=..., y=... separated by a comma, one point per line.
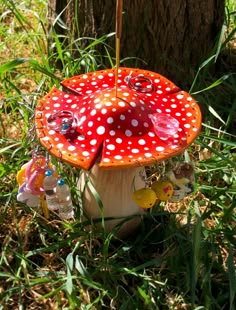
x=65, y=126
x=60, y=182
x=48, y=173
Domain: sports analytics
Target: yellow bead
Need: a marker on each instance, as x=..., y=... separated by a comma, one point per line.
x=144, y=198
x=20, y=176
x=163, y=189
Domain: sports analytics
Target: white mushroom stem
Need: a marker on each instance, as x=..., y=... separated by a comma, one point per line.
x=115, y=187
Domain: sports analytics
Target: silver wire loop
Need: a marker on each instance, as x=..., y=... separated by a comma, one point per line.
x=62, y=121
x=140, y=83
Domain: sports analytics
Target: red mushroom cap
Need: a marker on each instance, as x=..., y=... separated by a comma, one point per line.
x=89, y=122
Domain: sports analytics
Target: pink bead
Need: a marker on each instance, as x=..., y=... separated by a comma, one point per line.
x=165, y=126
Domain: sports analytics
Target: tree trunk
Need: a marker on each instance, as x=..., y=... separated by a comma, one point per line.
x=171, y=37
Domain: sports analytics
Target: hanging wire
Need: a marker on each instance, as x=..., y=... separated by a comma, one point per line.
x=119, y=6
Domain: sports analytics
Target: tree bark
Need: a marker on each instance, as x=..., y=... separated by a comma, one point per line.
x=170, y=37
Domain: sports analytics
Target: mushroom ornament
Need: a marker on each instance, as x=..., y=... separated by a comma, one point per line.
x=113, y=133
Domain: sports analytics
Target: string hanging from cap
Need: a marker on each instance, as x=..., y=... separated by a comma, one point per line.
x=119, y=6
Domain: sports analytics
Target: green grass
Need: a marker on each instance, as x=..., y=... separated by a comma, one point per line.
x=182, y=257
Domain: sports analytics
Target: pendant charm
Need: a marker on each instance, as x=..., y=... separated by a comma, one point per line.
x=164, y=189
x=145, y=197
x=182, y=178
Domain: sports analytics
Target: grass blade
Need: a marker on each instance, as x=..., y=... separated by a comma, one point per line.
x=232, y=278
x=10, y=65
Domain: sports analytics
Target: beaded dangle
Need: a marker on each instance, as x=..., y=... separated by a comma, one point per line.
x=172, y=181
x=40, y=184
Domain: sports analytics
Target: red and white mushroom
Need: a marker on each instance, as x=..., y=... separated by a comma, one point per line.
x=112, y=133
